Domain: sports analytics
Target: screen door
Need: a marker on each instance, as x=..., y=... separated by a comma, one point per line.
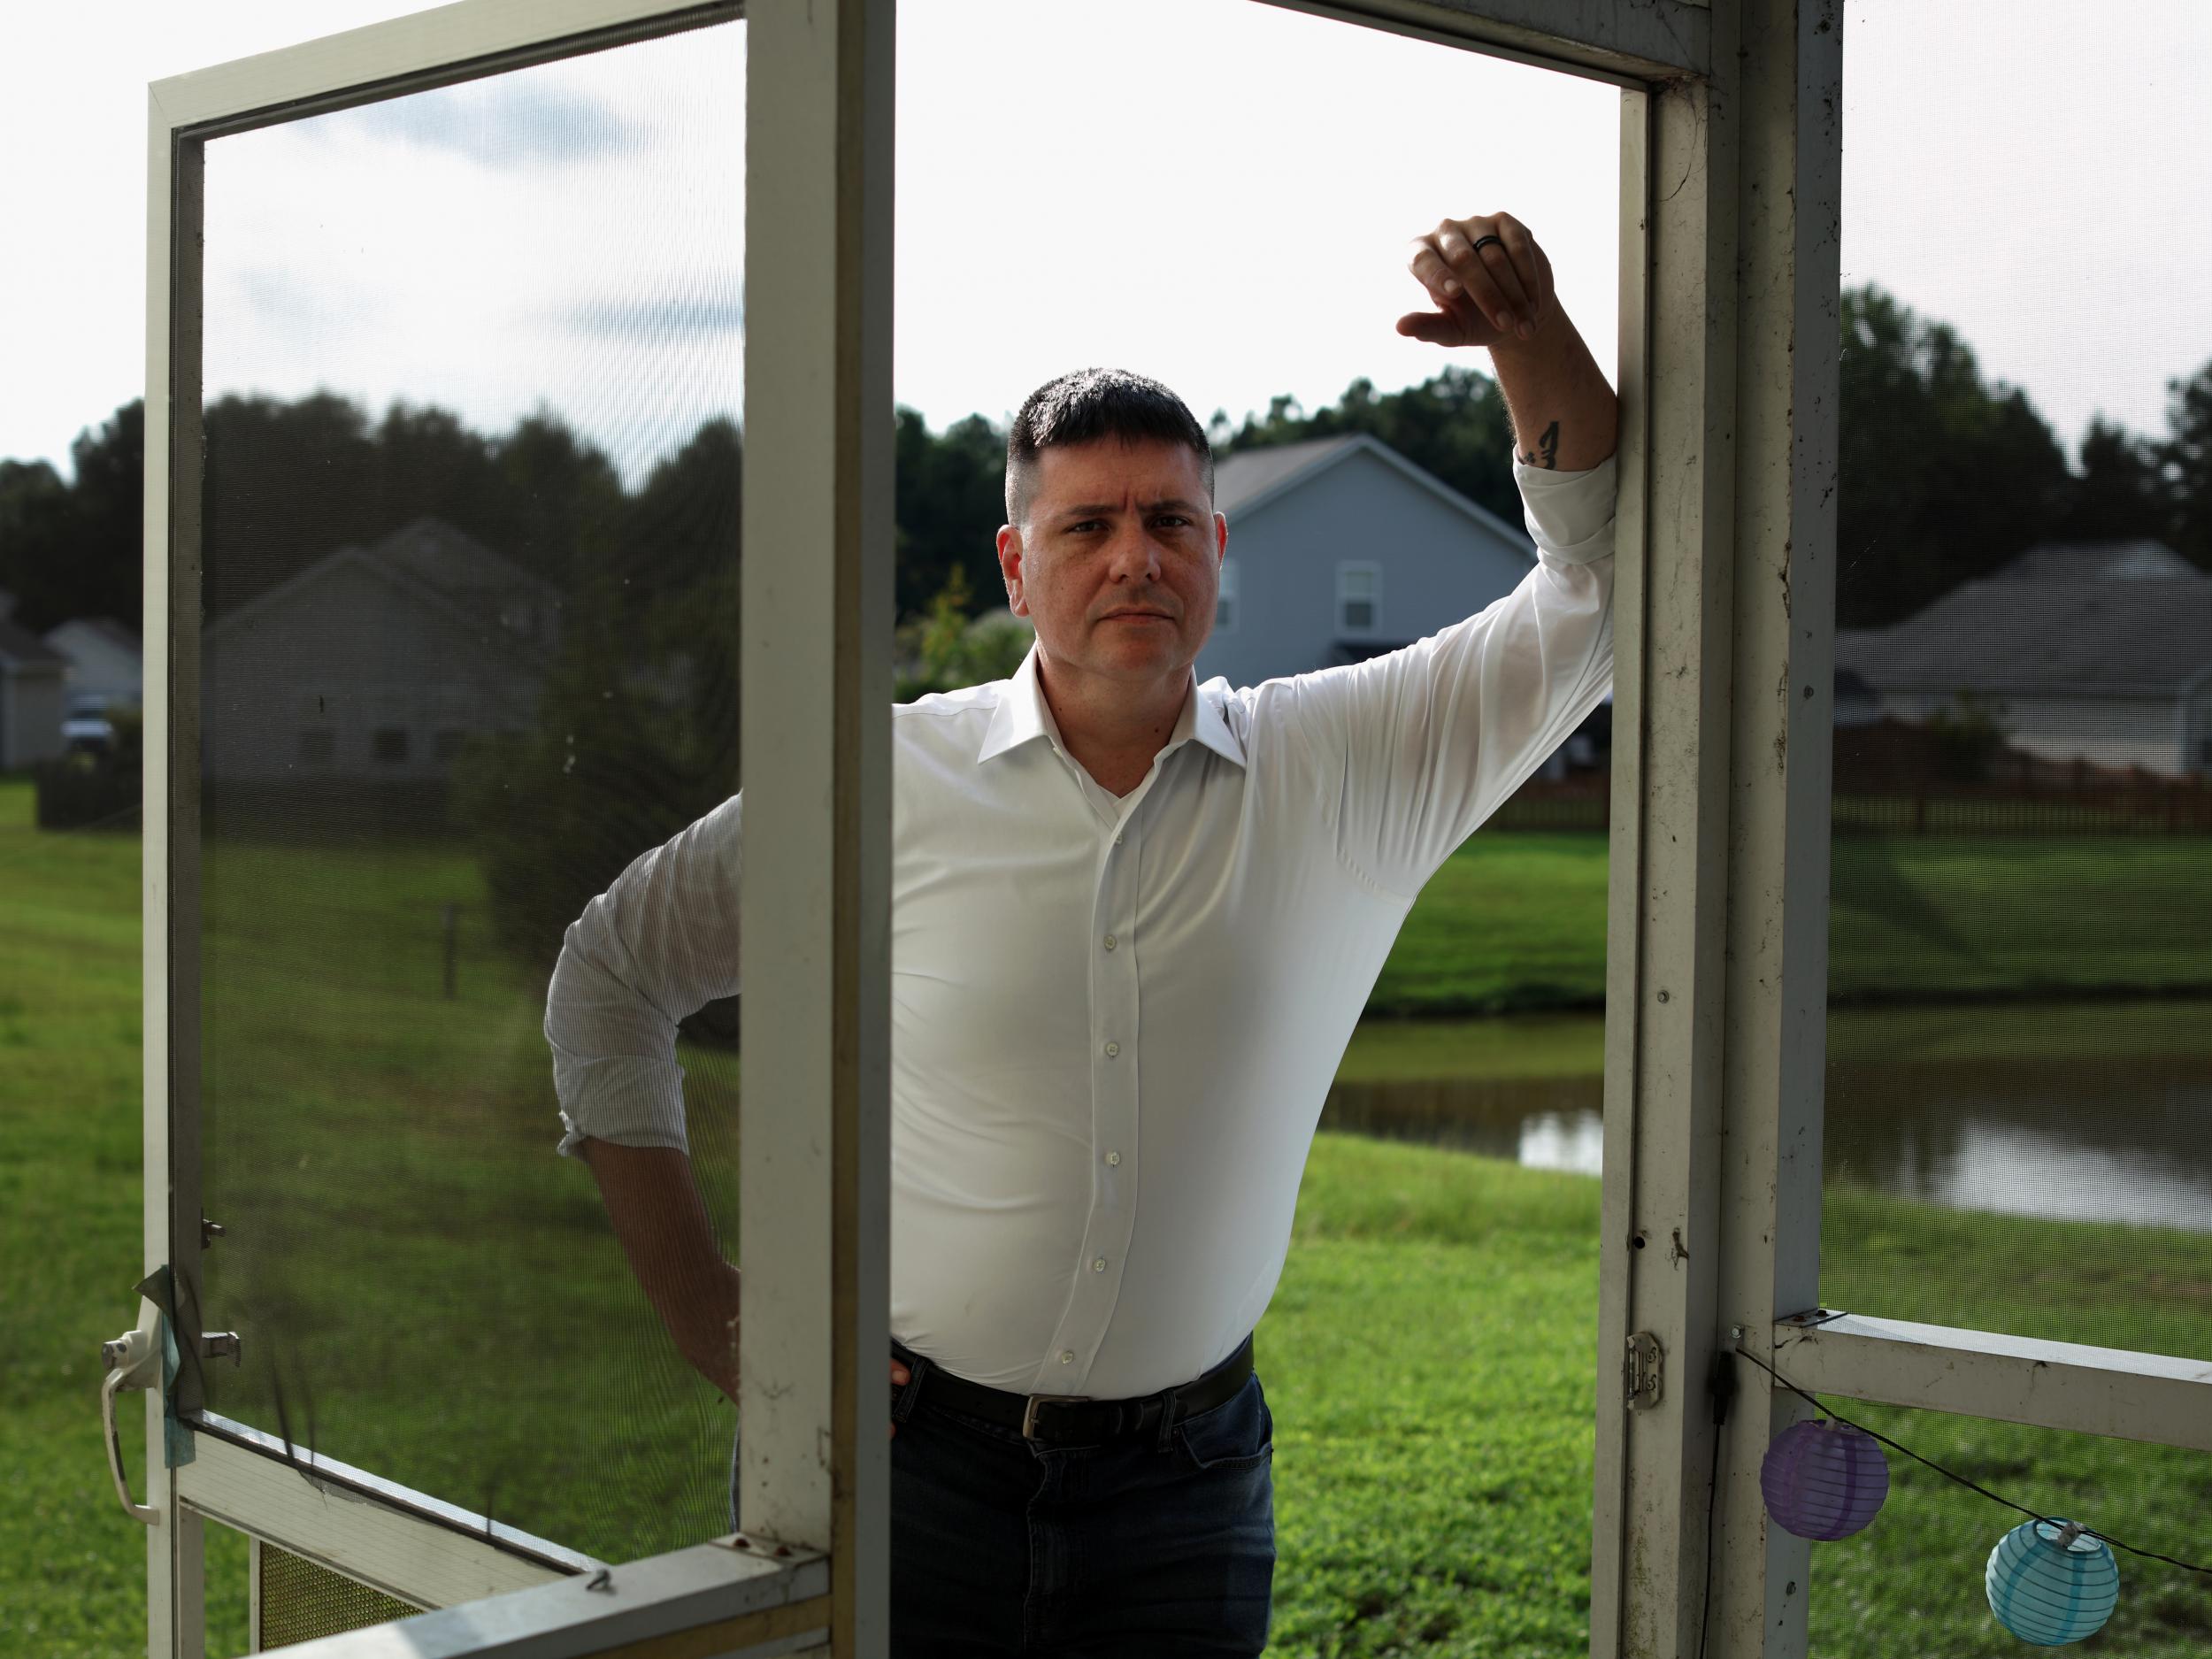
x=466, y=645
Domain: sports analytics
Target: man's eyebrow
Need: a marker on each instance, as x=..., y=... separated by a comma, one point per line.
x=1099, y=510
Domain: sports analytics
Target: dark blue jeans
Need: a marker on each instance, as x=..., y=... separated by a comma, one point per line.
x=1163, y=1545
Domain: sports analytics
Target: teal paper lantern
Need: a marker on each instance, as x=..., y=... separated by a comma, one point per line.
x=2050, y=1582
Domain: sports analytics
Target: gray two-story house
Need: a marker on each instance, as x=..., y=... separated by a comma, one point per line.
x=1340, y=549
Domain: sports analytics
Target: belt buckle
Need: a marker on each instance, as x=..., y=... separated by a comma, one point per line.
x=1029, y=1414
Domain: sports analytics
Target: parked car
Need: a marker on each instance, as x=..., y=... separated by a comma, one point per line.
x=85, y=725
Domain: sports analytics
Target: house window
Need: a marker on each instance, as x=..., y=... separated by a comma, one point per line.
x=390, y=743
x=318, y=746
x=1226, y=606
x=1358, y=597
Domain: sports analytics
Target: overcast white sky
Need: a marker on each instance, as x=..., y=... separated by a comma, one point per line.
x=1214, y=192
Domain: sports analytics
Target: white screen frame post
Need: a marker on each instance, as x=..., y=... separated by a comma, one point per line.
x=817, y=735
x=1717, y=932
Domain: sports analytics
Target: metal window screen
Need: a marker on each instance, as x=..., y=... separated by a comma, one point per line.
x=296, y=1600
x=2018, y=1119
x=2019, y=1092
x=472, y=365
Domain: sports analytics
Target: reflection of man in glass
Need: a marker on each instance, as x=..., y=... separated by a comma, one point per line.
x=1134, y=921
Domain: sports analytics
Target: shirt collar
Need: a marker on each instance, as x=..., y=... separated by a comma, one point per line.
x=1022, y=715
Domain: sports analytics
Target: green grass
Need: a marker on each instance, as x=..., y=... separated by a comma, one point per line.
x=1429, y=1358
x=1516, y=922
x=1429, y=1355
x=1511, y=922
x=1526, y=1046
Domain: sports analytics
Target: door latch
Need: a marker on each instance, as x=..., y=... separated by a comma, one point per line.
x=133, y=1360
x=1644, y=1369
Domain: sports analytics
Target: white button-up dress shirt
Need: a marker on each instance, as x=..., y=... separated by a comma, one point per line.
x=1115, y=1019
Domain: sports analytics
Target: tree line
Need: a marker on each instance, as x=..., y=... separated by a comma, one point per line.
x=1945, y=476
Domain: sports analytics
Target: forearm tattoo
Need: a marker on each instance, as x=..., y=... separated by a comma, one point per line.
x=1547, y=450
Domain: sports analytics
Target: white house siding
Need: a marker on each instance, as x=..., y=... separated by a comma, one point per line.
x=348, y=654
x=30, y=716
x=1438, y=566
x=99, y=664
x=2104, y=730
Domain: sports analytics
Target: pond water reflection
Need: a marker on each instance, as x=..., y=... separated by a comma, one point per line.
x=2110, y=1137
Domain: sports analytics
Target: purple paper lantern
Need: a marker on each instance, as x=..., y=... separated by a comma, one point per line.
x=1824, y=1480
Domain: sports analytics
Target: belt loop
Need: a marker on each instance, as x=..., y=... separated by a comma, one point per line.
x=916, y=1368
x=1168, y=1402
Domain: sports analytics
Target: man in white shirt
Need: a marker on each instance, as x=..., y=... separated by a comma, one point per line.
x=1134, y=921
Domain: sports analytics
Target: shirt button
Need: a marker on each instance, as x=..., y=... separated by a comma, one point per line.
x=1113, y=1048
x=1111, y=942
x=1117, y=840
x=1113, y=1157
x=1067, y=1356
x=1099, y=1266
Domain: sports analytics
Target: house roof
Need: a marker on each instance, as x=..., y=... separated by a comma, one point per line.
x=432, y=561
x=2046, y=635
x=1250, y=479
x=107, y=627
x=450, y=560
x=2099, y=561
x=20, y=647
x=1240, y=477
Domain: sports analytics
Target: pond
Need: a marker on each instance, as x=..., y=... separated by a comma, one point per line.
x=2080, y=1111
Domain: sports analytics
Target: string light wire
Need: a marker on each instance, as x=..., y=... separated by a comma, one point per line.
x=2087, y=1531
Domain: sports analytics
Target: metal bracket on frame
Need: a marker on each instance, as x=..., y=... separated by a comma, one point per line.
x=1644, y=1371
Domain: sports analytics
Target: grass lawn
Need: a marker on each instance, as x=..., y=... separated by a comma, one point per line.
x=1515, y=921
x=1516, y=1047
x=1429, y=1355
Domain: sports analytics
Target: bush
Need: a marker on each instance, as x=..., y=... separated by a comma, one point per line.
x=93, y=791
x=946, y=650
x=1969, y=736
x=612, y=769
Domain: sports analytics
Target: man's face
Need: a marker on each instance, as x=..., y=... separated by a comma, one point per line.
x=1120, y=562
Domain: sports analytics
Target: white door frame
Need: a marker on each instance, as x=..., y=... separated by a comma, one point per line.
x=495, y=1586
x=1717, y=971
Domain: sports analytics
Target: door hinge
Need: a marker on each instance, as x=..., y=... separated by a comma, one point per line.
x=1643, y=1370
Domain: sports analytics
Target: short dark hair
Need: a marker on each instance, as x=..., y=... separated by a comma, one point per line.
x=1093, y=403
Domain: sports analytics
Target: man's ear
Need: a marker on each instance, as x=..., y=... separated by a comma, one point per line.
x=1010, y=564
x=1221, y=537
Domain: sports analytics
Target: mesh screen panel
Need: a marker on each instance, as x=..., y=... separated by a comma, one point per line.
x=2019, y=1091
x=302, y=1599
x=1912, y=1580
x=2018, y=1129
x=469, y=633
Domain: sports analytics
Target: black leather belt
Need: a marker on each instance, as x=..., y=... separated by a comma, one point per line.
x=1076, y=1419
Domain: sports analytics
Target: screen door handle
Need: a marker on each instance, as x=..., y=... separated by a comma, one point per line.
x=133, y=1361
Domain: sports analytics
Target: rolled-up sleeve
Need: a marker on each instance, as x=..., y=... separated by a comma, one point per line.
x=656, y=946
x=1437, y=736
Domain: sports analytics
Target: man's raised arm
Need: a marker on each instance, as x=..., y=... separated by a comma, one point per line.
x=1431, y=737
x=1491, y=285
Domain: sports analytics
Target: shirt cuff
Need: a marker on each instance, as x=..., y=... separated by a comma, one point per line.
x=628, y=1099
x=1570, y=515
